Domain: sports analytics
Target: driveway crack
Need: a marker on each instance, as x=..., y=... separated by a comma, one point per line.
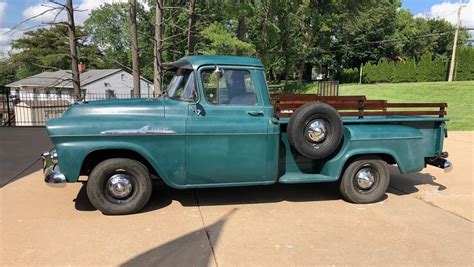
x=429, y=203
x=205, y=229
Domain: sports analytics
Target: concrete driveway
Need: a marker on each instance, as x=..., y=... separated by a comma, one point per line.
x=425, y=219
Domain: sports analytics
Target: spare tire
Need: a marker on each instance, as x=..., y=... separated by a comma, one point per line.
x=315, y=130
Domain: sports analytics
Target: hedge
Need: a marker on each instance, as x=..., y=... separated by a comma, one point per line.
x=427, y=69
x=465, y=64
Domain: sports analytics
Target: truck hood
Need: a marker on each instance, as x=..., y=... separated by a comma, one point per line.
x=92, y=118
x=114, y=107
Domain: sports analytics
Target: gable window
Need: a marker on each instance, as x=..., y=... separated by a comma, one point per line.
x=229, y=87
x=122, y=76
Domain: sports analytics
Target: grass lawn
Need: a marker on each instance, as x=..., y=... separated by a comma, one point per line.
x=458, y=95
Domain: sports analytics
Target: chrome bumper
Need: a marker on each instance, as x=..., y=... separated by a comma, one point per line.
x=52, y=174
x=441, y=162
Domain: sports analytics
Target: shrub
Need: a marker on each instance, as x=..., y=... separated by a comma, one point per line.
x=465, y=64
x=404, y=71
x=349, y=76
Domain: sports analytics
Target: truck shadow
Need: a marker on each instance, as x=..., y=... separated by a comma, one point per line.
x=163, y=195
x=405, y=184
x=400, y=184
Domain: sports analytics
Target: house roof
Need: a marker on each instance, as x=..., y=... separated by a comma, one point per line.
x=62, y=78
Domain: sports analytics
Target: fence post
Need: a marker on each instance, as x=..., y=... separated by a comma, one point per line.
x=7, y=92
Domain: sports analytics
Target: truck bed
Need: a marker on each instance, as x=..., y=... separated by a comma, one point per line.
x=356, y=107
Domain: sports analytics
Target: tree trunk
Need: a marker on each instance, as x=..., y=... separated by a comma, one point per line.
x=191, y=27
x=76, y=83
x=134, y=41
x=299, y=83
x=241, y=31
x=157, y=66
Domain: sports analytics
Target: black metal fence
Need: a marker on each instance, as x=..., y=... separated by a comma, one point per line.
x=34, y=109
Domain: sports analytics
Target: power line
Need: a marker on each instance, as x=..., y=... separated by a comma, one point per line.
x=391, y=40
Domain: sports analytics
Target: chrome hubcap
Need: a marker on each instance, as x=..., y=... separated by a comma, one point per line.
x=120, y=186
x=365, y=178
x=316, y=131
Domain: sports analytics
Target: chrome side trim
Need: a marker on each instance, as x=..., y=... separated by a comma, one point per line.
x=145, y=130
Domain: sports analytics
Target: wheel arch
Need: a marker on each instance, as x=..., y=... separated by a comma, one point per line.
x=388, y=157
x=96, y=156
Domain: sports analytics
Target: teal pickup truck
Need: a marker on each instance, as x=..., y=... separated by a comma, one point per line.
x=218, y=126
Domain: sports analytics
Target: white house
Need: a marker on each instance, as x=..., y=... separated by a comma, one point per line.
x=95, y=84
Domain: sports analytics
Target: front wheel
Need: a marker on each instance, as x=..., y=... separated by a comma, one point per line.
x=119, y=186
x=365, y=180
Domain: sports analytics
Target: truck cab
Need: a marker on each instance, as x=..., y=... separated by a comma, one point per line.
x=218, y=126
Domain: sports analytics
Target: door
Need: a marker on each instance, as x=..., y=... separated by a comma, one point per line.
x=226, y=131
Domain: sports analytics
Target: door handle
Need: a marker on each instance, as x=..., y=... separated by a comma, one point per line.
x=255, y=113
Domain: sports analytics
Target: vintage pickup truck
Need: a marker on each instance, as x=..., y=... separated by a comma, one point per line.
x=218, y=126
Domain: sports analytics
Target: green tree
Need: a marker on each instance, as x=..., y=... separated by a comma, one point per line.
x=109, y=29
x=48, y=49
x=7, y=72
x=216, y=40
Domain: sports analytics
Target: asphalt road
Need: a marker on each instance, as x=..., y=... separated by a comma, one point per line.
x=20, y=150
x=425, y=219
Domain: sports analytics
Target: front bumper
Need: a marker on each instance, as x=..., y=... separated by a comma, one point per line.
x=52, y=174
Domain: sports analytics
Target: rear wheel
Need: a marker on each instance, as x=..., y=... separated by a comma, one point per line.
x=365, y=180
x=119, y=186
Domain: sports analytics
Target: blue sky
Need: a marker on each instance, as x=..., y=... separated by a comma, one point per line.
x=421, y=6
x=15, y=8
x=14, y=11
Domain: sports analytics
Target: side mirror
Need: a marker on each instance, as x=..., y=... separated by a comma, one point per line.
x=219, y=72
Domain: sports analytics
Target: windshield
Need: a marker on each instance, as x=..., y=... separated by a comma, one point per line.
x=182, y=86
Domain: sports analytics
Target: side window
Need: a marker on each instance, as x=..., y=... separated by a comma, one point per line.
x=182, y=86
x=229, y=87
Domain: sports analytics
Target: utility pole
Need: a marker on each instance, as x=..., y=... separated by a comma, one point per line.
x=134, y=37
x=453, y=55
x=191, y=26
x=360, y=73
x=157, y=66
x=73, y=51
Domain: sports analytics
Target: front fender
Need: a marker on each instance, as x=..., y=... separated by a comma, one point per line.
x=73, y=153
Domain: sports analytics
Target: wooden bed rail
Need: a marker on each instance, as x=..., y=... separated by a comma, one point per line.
x=286, y=104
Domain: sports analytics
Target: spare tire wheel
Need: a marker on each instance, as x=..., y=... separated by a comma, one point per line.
x=315, y=130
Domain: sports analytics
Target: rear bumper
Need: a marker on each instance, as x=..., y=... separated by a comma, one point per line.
x=440, y=162
x=52, y=174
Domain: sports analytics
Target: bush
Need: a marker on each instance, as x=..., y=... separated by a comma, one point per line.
x=431, y=70
x=465, y=64
x=382, y=72
x=439, y=70
x=427, y=70
x=349, y=76
x=423, y=72
x=404, y=71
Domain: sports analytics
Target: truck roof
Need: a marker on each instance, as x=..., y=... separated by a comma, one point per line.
x=193, y=62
